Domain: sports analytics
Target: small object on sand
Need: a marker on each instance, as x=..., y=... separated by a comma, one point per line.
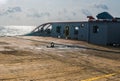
x=52, y=45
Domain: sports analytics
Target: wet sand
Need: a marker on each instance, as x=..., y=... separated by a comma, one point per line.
x=25, y=58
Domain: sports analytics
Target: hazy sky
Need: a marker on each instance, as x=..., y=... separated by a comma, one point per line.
x=35, y=12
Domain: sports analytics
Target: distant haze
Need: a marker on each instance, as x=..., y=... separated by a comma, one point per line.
x=35, y=12
x=3, y=1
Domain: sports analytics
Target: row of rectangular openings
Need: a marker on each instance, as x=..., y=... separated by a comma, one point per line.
x=76, y=29
x=58, y=29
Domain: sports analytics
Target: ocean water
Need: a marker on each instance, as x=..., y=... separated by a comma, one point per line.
x=15, y=30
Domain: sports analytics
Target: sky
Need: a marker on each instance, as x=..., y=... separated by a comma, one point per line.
x=36, y=12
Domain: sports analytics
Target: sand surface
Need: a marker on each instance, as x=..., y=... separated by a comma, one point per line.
x=31, y=59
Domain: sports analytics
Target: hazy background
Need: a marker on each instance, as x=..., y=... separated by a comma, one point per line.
x=35, y=12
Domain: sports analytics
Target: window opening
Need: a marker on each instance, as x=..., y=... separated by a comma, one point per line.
x=95, y=29
x=76, y=30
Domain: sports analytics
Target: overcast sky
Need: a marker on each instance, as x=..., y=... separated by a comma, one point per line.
x=35, y=12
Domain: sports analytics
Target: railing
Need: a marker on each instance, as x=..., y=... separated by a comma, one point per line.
x=42, y=27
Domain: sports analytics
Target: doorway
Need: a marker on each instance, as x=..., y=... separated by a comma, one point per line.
x=67, y=32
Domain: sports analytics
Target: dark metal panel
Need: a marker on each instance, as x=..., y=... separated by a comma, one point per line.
x=100, y=36
x=113, y=33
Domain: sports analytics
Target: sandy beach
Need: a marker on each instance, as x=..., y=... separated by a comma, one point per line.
x=29, y=58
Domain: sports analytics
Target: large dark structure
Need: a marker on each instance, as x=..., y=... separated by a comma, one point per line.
x=104, y=15
x=103, y=31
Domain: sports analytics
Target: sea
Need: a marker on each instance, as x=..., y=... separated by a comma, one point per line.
x=15, y=30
